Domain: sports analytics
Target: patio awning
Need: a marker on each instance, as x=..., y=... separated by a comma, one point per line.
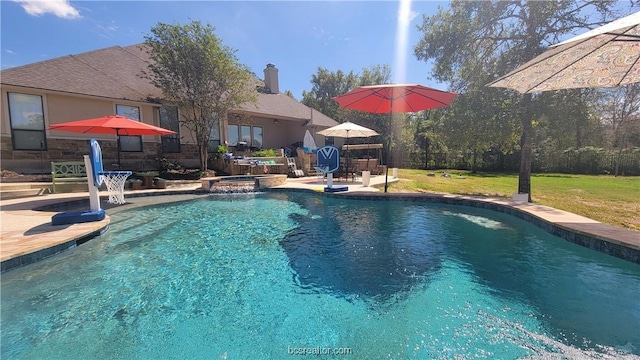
x=361, y=146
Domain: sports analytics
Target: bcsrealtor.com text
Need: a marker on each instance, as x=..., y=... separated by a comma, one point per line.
x=318, y=351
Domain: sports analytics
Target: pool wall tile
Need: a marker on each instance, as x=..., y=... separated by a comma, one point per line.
x=42, y=254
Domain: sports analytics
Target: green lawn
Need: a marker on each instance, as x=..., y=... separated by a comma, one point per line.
x=608, y=199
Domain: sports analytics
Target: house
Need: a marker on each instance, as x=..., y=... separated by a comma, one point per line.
x=108, y=81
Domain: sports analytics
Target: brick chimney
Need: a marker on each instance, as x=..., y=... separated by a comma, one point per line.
x=271, y=79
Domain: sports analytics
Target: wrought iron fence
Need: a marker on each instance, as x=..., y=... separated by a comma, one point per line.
x=591, y=161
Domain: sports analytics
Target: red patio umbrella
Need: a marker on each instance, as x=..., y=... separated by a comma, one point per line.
x=394, y=98
x=111, y=124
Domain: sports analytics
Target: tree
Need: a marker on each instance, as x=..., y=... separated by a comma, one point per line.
x=290, y=94
x=200, y=75
x=326, y=86
x=568, y=118
x=426, y=135
x=620, y=111
x=494, y=37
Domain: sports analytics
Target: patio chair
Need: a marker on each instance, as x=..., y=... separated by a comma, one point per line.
x=293, y=169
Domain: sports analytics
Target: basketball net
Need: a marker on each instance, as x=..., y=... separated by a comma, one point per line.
x=115, y=181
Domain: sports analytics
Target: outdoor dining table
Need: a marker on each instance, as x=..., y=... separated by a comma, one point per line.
x=147, y=178
x=350, y=171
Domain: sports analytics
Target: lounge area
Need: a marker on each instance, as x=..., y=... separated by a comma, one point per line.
x=359, y=158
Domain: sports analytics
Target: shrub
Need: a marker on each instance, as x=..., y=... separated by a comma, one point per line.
x=166, y=165
x=220, y=151
x=266, y=153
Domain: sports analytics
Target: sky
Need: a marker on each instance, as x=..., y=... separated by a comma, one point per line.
x=297, y=36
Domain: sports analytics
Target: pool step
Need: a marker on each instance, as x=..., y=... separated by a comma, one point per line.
x=27, y=189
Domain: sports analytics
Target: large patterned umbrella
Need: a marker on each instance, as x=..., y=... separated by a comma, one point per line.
x=608, y=56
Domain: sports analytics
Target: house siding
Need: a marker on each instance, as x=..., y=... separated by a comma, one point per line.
x=67, y=146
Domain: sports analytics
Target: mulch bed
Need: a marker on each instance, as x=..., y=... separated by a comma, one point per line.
x=180, y=174
x=8, y=176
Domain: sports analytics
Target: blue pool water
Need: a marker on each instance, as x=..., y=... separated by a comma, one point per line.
x=262, y=276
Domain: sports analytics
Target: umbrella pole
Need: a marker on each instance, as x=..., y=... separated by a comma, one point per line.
x=346, y=171
x=368, y=155
x=118, y=147
x=386, y=174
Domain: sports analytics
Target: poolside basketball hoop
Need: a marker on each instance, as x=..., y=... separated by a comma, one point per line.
x=328, y=161
x=114, y=180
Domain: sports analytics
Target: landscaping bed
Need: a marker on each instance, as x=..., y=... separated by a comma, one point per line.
x=185, y=174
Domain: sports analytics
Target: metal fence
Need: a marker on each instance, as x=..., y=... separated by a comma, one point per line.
x=581, y=161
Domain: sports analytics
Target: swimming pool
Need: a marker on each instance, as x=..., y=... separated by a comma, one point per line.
x=267, y=275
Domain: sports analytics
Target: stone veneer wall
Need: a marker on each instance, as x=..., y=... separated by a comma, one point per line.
x=269, y=181
x=230, y=168
x=30, y=162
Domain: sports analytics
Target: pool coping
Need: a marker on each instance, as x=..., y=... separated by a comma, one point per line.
x=23, y=225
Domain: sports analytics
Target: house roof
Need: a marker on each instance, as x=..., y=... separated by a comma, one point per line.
x=113, y=72
x=116, y=72
x=282, y=106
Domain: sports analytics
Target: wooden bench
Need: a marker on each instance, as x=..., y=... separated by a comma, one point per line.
x=67, y=172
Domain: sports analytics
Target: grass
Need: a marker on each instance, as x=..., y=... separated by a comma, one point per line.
x=608, y=199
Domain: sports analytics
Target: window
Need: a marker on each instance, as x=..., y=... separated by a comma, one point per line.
x=214, y=134
x=256, y=141
x=169, y=120
x=26, y=116
x=129, y=143
x=245, y=134
x=251, y=135
x=233, y=135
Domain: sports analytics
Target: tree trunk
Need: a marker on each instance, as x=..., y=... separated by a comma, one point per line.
x=617, y=169
x=524, y=176
x=426, y=153
x=473, y=164
x=203, y=157
x=578, y=135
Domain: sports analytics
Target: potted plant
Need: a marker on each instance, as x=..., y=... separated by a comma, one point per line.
x=135, y=184
x=160, y=183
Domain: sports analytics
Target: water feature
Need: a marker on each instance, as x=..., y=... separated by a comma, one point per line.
x=231, y=187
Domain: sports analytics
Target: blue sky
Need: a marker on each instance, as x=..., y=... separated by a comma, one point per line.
x=297, y=36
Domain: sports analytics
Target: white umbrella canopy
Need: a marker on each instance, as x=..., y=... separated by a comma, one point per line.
x=347, y=130
x=608, y=56
x=309, y=144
